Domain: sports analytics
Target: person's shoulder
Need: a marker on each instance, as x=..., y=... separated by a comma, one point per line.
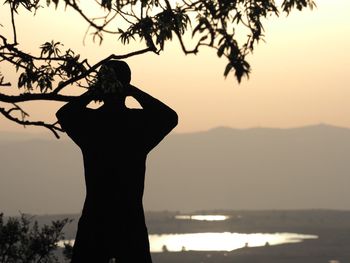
x=136, y=111
x=137, y=114
x=90, y=112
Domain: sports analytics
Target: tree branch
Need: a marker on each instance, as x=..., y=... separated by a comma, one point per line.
x=75, y=6
x=34, y=96
x=52, y=127
x=94, y=67
x=13, y=24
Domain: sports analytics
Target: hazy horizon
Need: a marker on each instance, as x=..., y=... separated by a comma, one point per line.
x=45, y=132
x=222, y=168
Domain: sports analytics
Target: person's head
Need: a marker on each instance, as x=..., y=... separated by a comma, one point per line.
x=114, y=77
x=115, y=69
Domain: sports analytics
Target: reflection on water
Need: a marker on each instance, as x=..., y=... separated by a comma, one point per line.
x=219, y=241
x=203, y=217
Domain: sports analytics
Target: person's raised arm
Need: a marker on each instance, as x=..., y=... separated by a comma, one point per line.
x=72, y=116
x=75, y=106
x=155, y=107
x=161, y=119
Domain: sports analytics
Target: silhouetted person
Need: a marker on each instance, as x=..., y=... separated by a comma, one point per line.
x=114, y=141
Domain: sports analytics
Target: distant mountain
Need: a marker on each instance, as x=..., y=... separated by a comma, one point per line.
x=222, y=168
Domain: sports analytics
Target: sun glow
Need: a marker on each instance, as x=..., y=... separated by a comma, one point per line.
x=299, y=75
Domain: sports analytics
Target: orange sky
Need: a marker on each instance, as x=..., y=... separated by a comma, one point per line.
x=300, y=75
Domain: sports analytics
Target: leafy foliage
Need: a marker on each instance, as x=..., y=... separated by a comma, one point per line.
x=22, y=240
x=232, y=28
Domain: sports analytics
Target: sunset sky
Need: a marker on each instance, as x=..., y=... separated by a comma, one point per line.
x=300, y=75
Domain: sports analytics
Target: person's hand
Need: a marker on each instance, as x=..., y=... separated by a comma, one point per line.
x=109, y=83
x=104, y=88
x=95, y=92
x=131, y=90
x=113, y=87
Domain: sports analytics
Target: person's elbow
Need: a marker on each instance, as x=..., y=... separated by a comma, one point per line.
x=173, y=119
x=67, y=111
x=63, y=115
x=59, y=114
x=63, y=112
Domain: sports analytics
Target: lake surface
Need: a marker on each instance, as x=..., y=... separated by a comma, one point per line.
x=202, y=217
x=225, y=241
x=216, y=241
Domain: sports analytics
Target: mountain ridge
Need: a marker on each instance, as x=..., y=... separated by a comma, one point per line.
x=18, y=135
x=222, y=168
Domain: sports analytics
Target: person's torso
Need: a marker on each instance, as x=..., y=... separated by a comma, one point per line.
x=114, y=158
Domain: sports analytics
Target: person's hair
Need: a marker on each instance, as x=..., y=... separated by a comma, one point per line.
x=121, y=69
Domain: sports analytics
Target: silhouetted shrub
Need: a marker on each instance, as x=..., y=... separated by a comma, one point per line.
x=22, y=240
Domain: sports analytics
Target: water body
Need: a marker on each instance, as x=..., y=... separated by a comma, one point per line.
x=215, y=241
x=203, y=217
x=224, y=241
